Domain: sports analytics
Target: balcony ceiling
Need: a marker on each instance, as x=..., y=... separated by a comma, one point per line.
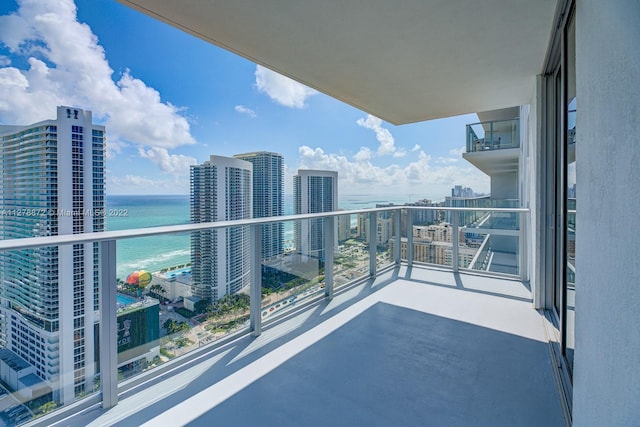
x=401, y=61
x=495, y=161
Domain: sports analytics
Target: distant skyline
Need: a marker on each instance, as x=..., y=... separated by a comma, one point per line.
x=170, y=100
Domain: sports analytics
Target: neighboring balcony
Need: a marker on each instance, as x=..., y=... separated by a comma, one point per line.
x=381, y=331
x=494, y=147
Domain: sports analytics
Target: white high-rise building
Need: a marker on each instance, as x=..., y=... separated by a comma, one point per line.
x=52, y=182
x=268, y=197
x=220, y=191
x=314, y=191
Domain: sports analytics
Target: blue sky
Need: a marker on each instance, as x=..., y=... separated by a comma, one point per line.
x=170, y=100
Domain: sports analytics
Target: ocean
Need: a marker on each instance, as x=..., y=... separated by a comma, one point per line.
x=158, y=252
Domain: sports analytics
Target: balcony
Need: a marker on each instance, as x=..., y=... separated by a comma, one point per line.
x=494, y=146
x=494, y=135
x=368, y=335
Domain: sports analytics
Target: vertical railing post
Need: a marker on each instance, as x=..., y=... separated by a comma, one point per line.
x=329, y=244
x=255, y=317
x=108, y=331
x=522, y=240
x=410, y=237
x=468, y=140
x=491, y=141
x=373, y=243
x=454, y=241
x=397, y=215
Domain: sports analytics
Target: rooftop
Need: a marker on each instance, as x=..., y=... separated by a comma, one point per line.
x=14, y=361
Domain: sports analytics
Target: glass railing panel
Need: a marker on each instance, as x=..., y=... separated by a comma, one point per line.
x=468, y=218
x=432, y=244
x=220, y=286
x=495, y=220
x=356, y=251
x=497, y=250
x=505, y=134
x=385, y=238
x=169, y=307
x=298, y=274
x=351, y=257
x=504, y=203
x=475, y=137
x=474, y=251
x=497, y=135
x=504, y=221
x=152, y=323
x=48, y=339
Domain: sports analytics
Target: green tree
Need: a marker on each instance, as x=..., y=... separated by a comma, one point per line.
x=46, y=408
x=202, y=306
x=172, y=326
x=158, y=291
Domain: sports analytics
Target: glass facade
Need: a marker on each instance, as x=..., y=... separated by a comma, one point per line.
x=221, y=190
x=313, y=192
x=52, y=182
x=268, y=198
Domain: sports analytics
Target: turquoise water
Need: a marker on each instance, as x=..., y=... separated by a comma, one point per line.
x=179, y=272
x=149, y=253
x=158, y=252
x=123, y=300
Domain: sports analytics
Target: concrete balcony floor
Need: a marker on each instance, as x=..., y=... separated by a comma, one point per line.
x=416, y=346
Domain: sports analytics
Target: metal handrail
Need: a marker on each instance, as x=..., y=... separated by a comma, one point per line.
x=101, y=236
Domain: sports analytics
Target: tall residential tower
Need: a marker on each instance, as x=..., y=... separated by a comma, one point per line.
x=314, y=191
x=52, y=182
x=268, y=197
x=220, y=191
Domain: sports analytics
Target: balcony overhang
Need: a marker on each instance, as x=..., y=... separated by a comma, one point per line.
x=495, y=161
x=404, y=63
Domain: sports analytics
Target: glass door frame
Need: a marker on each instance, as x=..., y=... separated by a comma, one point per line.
x=555, y=137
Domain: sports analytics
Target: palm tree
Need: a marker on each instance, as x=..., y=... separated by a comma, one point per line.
x=158, y=290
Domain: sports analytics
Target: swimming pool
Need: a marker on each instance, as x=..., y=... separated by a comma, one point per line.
x=125, y=300
x=186, y=271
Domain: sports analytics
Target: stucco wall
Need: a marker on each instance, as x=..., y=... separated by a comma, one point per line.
x=504, y=185
x=607, y=357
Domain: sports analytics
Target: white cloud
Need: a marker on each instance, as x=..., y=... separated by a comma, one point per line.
x=244, y=110
x=67, y=66
x=175, y=164
x=4, y=61
x=385, y=139
x=447, y=160
x=282, y=89
x=457, y=151
x=422, y=177
x=364, y=155
x=416, y=147
x=114, y=148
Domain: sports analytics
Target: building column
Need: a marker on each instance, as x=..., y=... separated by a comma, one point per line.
x=607, y=356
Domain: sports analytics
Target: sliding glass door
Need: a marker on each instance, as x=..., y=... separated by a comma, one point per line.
x=561, y=106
